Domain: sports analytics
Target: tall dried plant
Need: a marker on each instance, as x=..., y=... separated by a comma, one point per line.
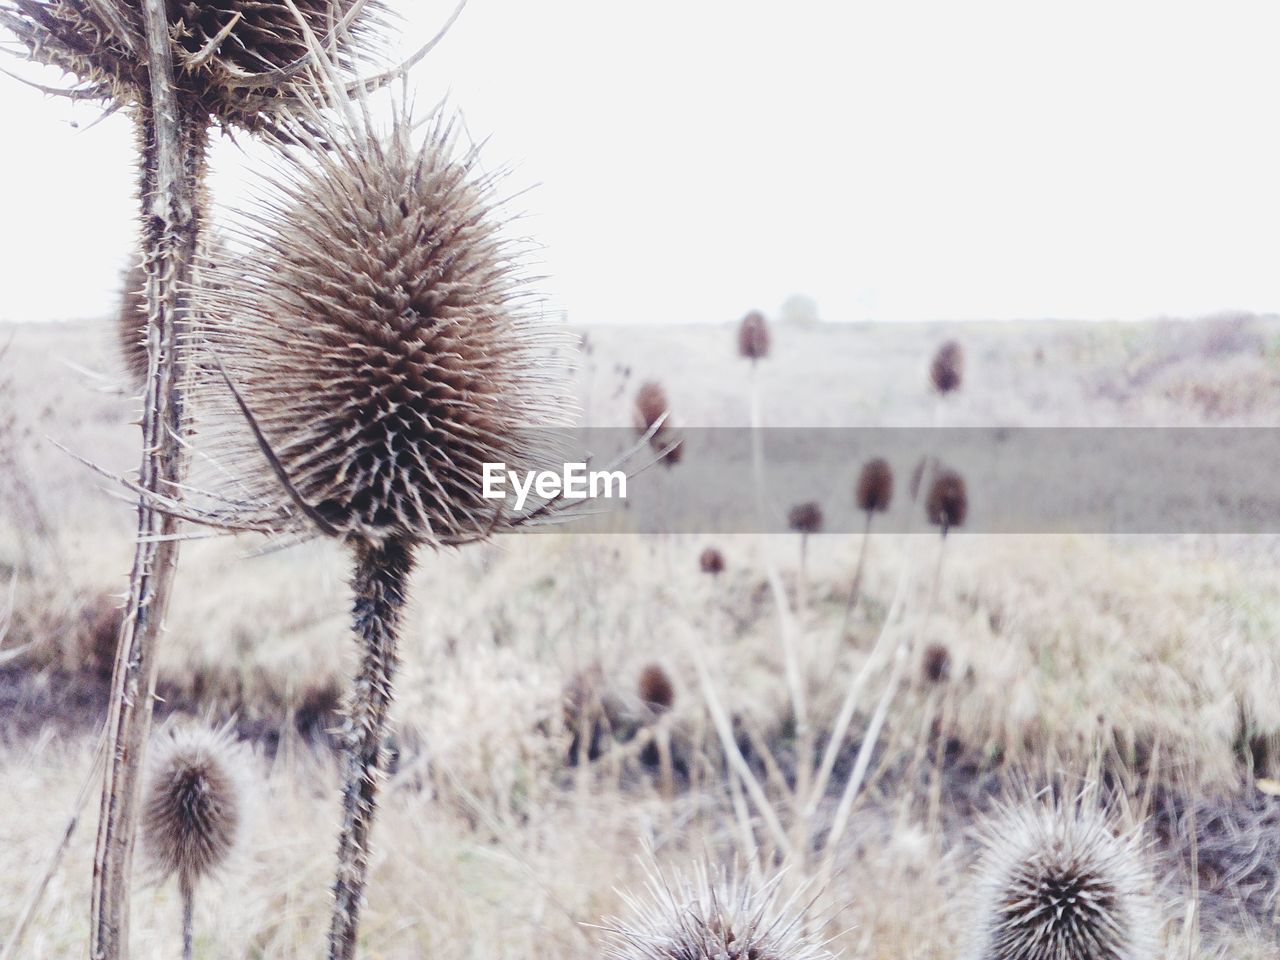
x=873, y=494
x=180, y=70
x=372, y=345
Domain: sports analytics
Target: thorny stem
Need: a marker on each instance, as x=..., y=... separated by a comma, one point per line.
x=173, y=157
x=380, y=583
x=188, y=918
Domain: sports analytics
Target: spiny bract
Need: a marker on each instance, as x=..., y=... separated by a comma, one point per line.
x=194, y=806
x=1059, y=881
x=377, y=325
x=236, y=61
x=711, y=914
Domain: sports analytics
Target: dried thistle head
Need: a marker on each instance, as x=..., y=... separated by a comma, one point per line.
x=753, y=336
x=711, y=914
x=947, y=504
x=237, y=62
x=656, y=689
x=805, y=518
x=194, y=804
x=947, y=369
x=875, y=486
x=1059, y=881
x=935, y=665
x=377, y=331
x=651, y=407
x=711, y=561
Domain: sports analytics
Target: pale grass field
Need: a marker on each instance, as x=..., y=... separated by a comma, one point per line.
x=1156, y=660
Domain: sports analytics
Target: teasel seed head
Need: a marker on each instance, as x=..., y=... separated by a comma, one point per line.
x=936, y=664
x=711, y=561
x=805, y=518
x=947, y=370
x=711, y=914
x=194, y=804
x=378, y=330
x=652, y=406
x=1059, y=881
x=947, y=504
x=238, y=62
x=656, y=688
x=753, y=336
x=875, y=486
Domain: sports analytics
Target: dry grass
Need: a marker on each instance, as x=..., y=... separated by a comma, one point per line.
x=1158, y=657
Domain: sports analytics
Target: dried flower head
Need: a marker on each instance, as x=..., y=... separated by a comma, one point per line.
x=377, y=330
x=193, y=808
x=1059, y=881
x=753, y=336
x=875, y=486
x=947, y=370
x=651, y=406
x=711, y=914
x=936, y=664
x=947, y=503
x=656, y=688
x=711, y=561
x=805, y=518
x=237, y=62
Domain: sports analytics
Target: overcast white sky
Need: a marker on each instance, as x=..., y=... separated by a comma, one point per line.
x=892, y=160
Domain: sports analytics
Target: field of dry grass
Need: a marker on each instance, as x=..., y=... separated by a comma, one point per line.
x=530, y=775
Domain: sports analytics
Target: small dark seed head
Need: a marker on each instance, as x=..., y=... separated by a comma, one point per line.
x=1058, y=881
x=710, y=915
x=193, y=807
x=875, y=486
x=805, y=518
x=937, y=663
x=947, y=503
x=711, y=561
x=753, y=336
x=656, y=688
x=947, y=369
x=651, y=406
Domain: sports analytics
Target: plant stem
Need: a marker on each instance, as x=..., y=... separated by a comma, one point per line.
x=173, y=158
x=856, y=588
x=188, y=917
x=380, y=582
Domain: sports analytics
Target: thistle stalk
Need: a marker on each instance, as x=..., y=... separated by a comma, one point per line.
x=174, y=144
x=380, y=584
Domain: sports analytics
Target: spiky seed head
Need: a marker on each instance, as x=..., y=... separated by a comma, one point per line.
x=1059, y=881
x=805, y=518
x=131, y=325
x=753, y=336
x=711, y=561
x=194, y=804
x=656, y=688
x=378, y=326
x=947, y=370
x=711, y=913
x=227, y=77
x=947, y=504
x=875, y=486
x=651, y=406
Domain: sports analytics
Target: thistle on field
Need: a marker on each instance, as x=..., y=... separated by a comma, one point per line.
x=377, y=337
x=946, y=372
x=806, y=520
x=656, y=689
x=711, y=561
x=711, y=914
x=193, y=809
x=873, y=494
x=1059, y=881
x=653, y=418
x=947, y=504
x=753, y=336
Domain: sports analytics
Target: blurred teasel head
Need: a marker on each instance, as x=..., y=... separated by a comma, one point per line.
x=947, y=504
x=947, y=369
x=805, y=518
x=875, y=486
x=711, y=561
x=753, y=336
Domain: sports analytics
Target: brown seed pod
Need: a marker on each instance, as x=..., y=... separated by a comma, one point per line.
x=753, y=336
x=947, y=370
x=194, y=806
x=378, y=330
x=237, y=62
x=936, y=665
x=1059, y=881
x=805, y=518
x=711, y=561
x=651, y=406
x=875, y=486
x=947, y=503
x=656, y=688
